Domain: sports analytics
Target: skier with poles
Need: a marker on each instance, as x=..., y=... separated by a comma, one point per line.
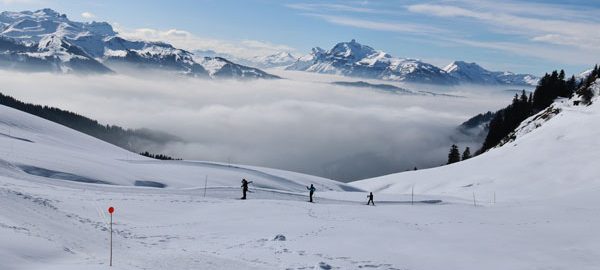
x=311, y=190
x=370, y=196
x=245, y=188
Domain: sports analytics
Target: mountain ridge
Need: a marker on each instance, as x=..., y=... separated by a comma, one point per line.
x=357, y=60
x=476, y=74
x=46, y=40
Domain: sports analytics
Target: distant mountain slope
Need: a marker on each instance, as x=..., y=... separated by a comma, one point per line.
x=357, y=60
x=477, y=126
x=45, y=40
x=134, y=140
x=219, y=67
x=383, y=87
x=280, y=59
x=474, y=73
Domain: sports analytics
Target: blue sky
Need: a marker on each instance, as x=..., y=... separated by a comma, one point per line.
x=522, y=36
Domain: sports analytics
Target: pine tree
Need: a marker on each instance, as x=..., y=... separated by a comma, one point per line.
x=523, y=97
x=454, y=155
x=561, y=75
x=506, y=120
x=586, y=94
x=585, y=90
x=466, y=154
x=570, y=87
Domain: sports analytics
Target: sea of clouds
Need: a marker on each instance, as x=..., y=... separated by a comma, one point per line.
x=301, y=123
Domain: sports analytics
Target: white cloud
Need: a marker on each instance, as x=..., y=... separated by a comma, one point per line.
x=557, y=33
x=575, y=33
x=534, y=9
x=88, y=15
x=377, y=25
x=332, y=7
x=557, y=54
x=8, y=2
x=183, y=39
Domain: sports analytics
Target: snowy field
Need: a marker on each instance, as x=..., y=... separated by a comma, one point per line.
x=56, y=184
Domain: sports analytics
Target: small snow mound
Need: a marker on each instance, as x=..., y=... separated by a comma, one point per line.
x=145, y=183
x=43, y=172
x=325, y=266
x=279, y=237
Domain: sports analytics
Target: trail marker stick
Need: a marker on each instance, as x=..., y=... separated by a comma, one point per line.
x=412, y=195
x=205, y=183
x=111, y=210
x=474, y=201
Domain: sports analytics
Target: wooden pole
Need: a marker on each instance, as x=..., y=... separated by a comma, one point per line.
x=111, y=233
x=474, y=202
x=412, y=195
x=205, y=183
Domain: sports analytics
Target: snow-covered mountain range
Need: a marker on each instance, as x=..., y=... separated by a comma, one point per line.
x=275, y=60
x=45, y=40
x=219, y=67
x=358, y=60
x=475, y=74
x=279, y=59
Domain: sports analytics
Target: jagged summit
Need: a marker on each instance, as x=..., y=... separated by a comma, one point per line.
x=352, y=50
x=358, y=60
x=461, y=65
x=30, y=27
x=45, y=12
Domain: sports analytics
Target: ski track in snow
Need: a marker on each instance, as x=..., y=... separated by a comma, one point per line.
x=132, y=237
x=171, y=229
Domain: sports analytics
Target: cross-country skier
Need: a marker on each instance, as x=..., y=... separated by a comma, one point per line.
x=245, y=188
x=370, y=196
x=311, y=189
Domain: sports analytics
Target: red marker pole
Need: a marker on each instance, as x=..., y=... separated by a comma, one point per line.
x=111, y=210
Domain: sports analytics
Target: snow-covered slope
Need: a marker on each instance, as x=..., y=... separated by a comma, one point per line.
x=584, y=74
x=90, y=47
x=553, y=154
x=474, y=73
x=35, y=146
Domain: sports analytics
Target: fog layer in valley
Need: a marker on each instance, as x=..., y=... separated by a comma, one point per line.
x=301, y=124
